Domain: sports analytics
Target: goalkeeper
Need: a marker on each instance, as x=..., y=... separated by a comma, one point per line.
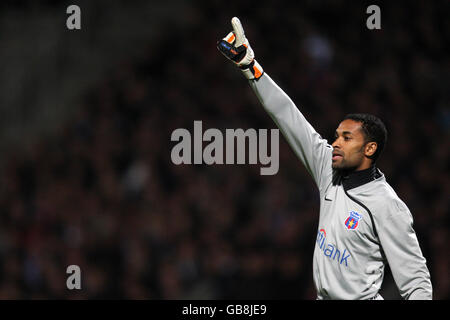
x=363, y=224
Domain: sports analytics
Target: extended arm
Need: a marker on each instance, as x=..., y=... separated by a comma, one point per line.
x=308, y=145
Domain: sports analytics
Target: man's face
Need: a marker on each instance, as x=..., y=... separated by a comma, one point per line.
x=348, y=147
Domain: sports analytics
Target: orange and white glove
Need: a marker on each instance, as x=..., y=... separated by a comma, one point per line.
x=236, y=48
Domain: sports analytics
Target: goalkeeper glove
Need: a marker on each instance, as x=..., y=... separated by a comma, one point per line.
x=236, y=47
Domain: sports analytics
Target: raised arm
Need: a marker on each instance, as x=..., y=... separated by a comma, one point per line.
x=308, y=145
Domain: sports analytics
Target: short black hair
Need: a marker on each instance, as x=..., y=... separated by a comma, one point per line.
x=373, y=129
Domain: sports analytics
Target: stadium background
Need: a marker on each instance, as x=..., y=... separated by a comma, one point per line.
x=86, y=118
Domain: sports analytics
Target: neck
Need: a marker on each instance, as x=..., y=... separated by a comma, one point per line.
x=366, y=164
x=353, y=178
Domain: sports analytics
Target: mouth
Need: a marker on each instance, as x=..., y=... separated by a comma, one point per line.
x=336, y=156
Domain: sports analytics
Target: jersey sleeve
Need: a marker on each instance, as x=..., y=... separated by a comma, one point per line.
x=313, y=151
x=401, y=247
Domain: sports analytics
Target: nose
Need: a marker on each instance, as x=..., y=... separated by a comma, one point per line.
x=336, y=144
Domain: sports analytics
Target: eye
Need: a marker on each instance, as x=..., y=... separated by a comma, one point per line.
x=347, y=138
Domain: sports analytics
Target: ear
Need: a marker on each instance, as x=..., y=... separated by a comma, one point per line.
x=370, y=149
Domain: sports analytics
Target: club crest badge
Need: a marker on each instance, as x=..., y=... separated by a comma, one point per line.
x=353, y=220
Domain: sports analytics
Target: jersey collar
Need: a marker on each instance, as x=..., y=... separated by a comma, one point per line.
x=355, y=179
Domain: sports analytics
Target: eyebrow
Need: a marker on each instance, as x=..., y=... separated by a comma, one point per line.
x=343, y=133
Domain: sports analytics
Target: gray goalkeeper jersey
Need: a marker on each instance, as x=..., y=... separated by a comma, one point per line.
x=363, y=224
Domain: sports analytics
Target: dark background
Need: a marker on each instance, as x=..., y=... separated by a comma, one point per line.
x=87, y=115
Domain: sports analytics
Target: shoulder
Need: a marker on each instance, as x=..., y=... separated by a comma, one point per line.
x=391, y=197
x=390, y=206
x=382, y=199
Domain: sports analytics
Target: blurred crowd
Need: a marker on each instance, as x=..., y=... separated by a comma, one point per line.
x=102, y=192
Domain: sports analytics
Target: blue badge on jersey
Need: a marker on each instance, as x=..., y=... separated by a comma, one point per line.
x=352, y=221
